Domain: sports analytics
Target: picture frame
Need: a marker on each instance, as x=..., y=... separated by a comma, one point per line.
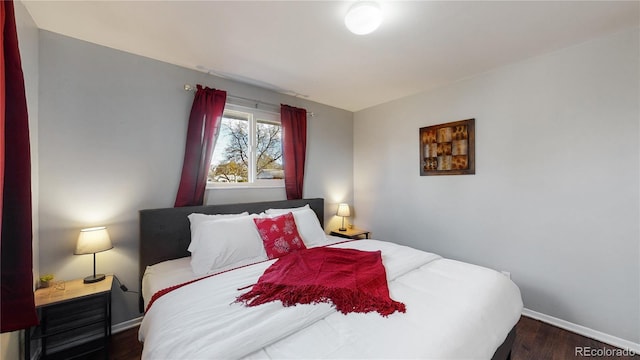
x=448, y=149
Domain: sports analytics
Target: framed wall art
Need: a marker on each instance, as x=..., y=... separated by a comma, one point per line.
x=448, y=149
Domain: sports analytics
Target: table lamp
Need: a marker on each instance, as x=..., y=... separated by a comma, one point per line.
x=92, y=241
x=343, y=210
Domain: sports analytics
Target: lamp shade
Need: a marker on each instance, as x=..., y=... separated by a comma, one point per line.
x=343, y=210
x=93, y=240
x=363, y=17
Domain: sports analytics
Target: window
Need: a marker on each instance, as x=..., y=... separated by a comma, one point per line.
x=248, y=151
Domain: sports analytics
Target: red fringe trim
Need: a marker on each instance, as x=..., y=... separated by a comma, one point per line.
x=344, y=300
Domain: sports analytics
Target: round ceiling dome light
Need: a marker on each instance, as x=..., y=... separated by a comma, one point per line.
x=363, y=17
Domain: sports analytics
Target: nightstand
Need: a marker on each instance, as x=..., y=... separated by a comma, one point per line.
x=353, y=233
x=74, y=322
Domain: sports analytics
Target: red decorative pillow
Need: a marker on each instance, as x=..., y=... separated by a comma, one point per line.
x=279, y=235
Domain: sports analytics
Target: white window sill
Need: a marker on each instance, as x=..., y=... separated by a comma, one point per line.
x=242, y=186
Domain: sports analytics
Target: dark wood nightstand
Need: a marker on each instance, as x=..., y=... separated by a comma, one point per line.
x=74, y=322
x=353, y=233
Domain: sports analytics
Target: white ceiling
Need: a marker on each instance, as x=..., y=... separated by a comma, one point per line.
x=303, y=46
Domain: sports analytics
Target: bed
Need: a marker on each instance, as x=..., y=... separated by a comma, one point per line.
x=454, y=310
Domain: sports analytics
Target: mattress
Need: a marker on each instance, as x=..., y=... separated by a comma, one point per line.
x=455, y=310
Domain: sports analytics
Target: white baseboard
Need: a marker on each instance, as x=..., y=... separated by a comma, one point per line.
x=584, y=331
x=126, y=325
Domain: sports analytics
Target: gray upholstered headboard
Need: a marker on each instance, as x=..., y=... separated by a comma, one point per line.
x=165, y=233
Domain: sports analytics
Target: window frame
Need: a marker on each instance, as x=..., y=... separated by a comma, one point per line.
x=253, y=182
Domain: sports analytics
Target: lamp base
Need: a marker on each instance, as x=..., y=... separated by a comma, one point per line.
x=94, y=278
x=342, y=229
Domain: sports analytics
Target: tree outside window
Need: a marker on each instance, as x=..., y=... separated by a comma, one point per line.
x=248, y=149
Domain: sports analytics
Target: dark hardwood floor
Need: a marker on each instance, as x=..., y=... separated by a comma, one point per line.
x=125, y=345
x=535, y=340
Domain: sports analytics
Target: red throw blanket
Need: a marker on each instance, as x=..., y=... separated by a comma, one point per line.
x=353, y=280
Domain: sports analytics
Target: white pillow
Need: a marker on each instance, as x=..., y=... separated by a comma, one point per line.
x=196, y=219
x=284, y=211
x=226, y=241
x=307, y=222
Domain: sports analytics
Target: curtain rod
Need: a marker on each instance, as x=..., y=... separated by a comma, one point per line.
x=188, y=87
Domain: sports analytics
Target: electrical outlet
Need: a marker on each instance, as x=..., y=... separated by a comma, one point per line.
x=507, y=274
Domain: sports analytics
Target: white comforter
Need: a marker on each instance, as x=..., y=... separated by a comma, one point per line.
x=454, y=311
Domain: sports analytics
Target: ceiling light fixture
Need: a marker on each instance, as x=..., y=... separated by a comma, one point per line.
x=363, y=17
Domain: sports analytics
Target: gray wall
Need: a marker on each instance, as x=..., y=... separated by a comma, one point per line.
x=555, y=196
x=112, y=131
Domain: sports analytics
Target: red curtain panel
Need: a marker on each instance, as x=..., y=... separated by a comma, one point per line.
x=294, y=148
x=2, y=108
x=17, y=309
x=204, y=126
